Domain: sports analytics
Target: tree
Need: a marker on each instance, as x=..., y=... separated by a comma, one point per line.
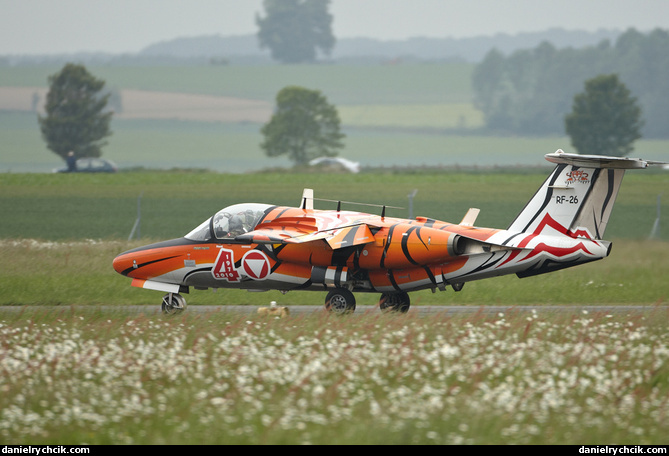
x=643, y=63
x=531, y=91
x=605, y=119
x=304, y=126
x=294, y=29
x=75, y=117
x=493, y=92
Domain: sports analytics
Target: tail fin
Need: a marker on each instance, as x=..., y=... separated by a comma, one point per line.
x=578, y=196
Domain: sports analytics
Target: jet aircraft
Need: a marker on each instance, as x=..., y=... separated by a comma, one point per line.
x=267, y=247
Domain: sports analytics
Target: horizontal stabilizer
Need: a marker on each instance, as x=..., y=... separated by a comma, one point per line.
x=599, y=161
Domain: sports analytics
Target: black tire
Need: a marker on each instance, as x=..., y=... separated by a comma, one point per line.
x=395, y=302
x=173, y=304
x=340, y=301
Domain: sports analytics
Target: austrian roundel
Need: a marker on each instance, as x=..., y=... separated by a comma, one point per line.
x=256, y=265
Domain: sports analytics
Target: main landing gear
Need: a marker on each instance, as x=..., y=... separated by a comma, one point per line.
x=395, y=302
x=341, y=301
x=173, y=304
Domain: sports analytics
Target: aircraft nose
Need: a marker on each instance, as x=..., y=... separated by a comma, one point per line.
x=123, y=264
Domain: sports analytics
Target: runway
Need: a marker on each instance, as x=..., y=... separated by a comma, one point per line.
x=360, y=311
x=446, y=310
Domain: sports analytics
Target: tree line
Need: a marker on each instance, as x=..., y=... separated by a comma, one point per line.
x=531, y=91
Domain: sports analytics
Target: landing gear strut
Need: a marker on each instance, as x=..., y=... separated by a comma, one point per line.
x=173, y=304
x=395, y=302
x=340, y=301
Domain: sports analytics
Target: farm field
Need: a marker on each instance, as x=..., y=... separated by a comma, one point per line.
x=342, y=84
x=210, y=117
x=235, y=148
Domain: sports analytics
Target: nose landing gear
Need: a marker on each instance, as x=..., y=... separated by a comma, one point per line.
x=173, y=304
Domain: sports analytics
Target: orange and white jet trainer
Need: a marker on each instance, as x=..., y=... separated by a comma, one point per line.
x=265, y=247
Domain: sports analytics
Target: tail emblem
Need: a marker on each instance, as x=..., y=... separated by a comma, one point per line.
x=577, y=176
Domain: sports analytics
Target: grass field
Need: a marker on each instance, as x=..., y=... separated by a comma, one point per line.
x=87, y=206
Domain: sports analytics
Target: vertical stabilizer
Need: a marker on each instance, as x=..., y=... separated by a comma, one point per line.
x=596, y=209
x=578, y=196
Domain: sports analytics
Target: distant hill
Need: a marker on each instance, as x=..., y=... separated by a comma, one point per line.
x=245, y=49
x=420, y=48
x=206, y=46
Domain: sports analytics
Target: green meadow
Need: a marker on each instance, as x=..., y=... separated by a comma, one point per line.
x=89, y=206
x=62, y=231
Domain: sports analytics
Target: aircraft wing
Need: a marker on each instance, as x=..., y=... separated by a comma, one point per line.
x=343, y=237
x=283, y=232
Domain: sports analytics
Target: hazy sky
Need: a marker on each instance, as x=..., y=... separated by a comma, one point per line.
x=66, y=26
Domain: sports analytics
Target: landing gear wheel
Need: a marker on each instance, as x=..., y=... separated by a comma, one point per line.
x=340, y=301
x=395, y=302
x=173, y=304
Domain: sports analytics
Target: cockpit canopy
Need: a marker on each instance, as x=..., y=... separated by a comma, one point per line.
x=230, y=222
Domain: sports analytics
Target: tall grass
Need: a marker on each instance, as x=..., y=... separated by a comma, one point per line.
x=91, y=377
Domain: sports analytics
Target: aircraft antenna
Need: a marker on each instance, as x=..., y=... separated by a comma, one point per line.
x=359, y=204
x=411, y=195
x=136, y=227
x=307, y=199
x=654, y=233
